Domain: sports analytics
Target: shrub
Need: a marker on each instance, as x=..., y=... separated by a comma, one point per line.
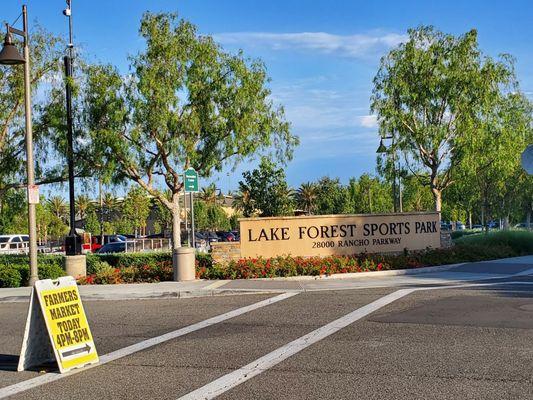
x=49, y=267
x=10, y=277
x=459, y=234
x=521, y=242
x=120, y=260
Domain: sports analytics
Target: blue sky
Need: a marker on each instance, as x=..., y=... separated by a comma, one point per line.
x=321, y=56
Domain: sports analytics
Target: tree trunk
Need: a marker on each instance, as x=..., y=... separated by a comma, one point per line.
x=437, y=196
x=469, y=219
x=176, y=222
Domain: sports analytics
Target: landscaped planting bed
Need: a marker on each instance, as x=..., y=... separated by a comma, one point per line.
x=157, y=266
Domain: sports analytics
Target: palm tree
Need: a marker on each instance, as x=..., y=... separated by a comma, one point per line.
x=109, y=202
x=209, y=194
x=58, y=207
x=243, y=202
x=306, y=196
x=82, y=204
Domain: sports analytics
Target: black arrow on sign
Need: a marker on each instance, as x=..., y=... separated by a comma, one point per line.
x=86, y=348
x=56, y=283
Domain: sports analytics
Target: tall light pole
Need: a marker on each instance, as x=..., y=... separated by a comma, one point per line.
x=10, y=56
x=397, y=200
x=73, y=242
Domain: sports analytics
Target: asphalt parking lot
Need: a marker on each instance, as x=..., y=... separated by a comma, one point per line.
x=467, y=342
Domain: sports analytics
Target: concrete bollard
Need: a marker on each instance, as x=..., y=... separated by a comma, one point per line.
x=184, y=264
x=76, y=266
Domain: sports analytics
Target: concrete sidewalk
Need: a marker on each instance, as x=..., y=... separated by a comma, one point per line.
x=441, y=275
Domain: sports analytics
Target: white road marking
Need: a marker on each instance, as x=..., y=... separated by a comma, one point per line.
x=145, y=344
x=295, y=346
x=226, y=382
x=233, y=379
x=216, y=284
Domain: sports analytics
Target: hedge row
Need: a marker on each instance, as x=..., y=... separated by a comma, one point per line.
x=15, y=270
x=520, y=241
x=295, y=266
x=157, y=266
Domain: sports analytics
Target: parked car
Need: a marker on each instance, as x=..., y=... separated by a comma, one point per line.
x=493, y=225
x=201, y=243
x=445, y=226
x=477, y=227
x=459, y=226
x=96, y=241
x=237, y=235
x=225, y=236
x=114, y=247
x=14, y=243
x=157, y=236
x=211, y=237
x=523, y=225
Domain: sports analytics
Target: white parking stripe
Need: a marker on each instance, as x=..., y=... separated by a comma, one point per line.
x=145, y=344
x=226, y=382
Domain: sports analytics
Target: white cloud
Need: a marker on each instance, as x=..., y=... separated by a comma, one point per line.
x=368, y=121
x=351, y=46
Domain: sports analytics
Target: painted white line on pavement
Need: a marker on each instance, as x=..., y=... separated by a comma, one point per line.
x=229, y=381
x=145, y=344
x=233, y=379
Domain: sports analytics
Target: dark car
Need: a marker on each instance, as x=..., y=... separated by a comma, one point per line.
x=211, y=237
x=225, y=236
x=157, y=236
x=445, y=226
x=115, y=247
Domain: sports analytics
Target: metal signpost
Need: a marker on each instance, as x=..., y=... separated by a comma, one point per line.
x=191, y=186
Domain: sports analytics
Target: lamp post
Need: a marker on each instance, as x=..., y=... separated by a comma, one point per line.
x=10, y=56
x=73, y=242
x=397, y=200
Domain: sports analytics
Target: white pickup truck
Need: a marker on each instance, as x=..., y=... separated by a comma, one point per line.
x=14, y=244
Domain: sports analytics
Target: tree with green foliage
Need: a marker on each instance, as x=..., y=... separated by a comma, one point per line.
x=306, y=196
x=429, y=95
x=83, y=202
x=92, y=222
x=367, y=195
x=191, y=104
x=268, y=190
x=13, y=209
x=331, y=196
x=45, y=53
x=234, y=221
x=208, y=193
x=243, y=202
x=58, y=207
x=135, y=209
x=417, y=197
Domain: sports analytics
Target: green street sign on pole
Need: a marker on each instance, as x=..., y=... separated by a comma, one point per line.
x=191, y=180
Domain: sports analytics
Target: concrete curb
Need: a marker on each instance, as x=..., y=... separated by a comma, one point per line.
x=186, y=294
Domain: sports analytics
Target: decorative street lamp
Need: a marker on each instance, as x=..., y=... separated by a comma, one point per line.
x=382, y=149
x=10, y=56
